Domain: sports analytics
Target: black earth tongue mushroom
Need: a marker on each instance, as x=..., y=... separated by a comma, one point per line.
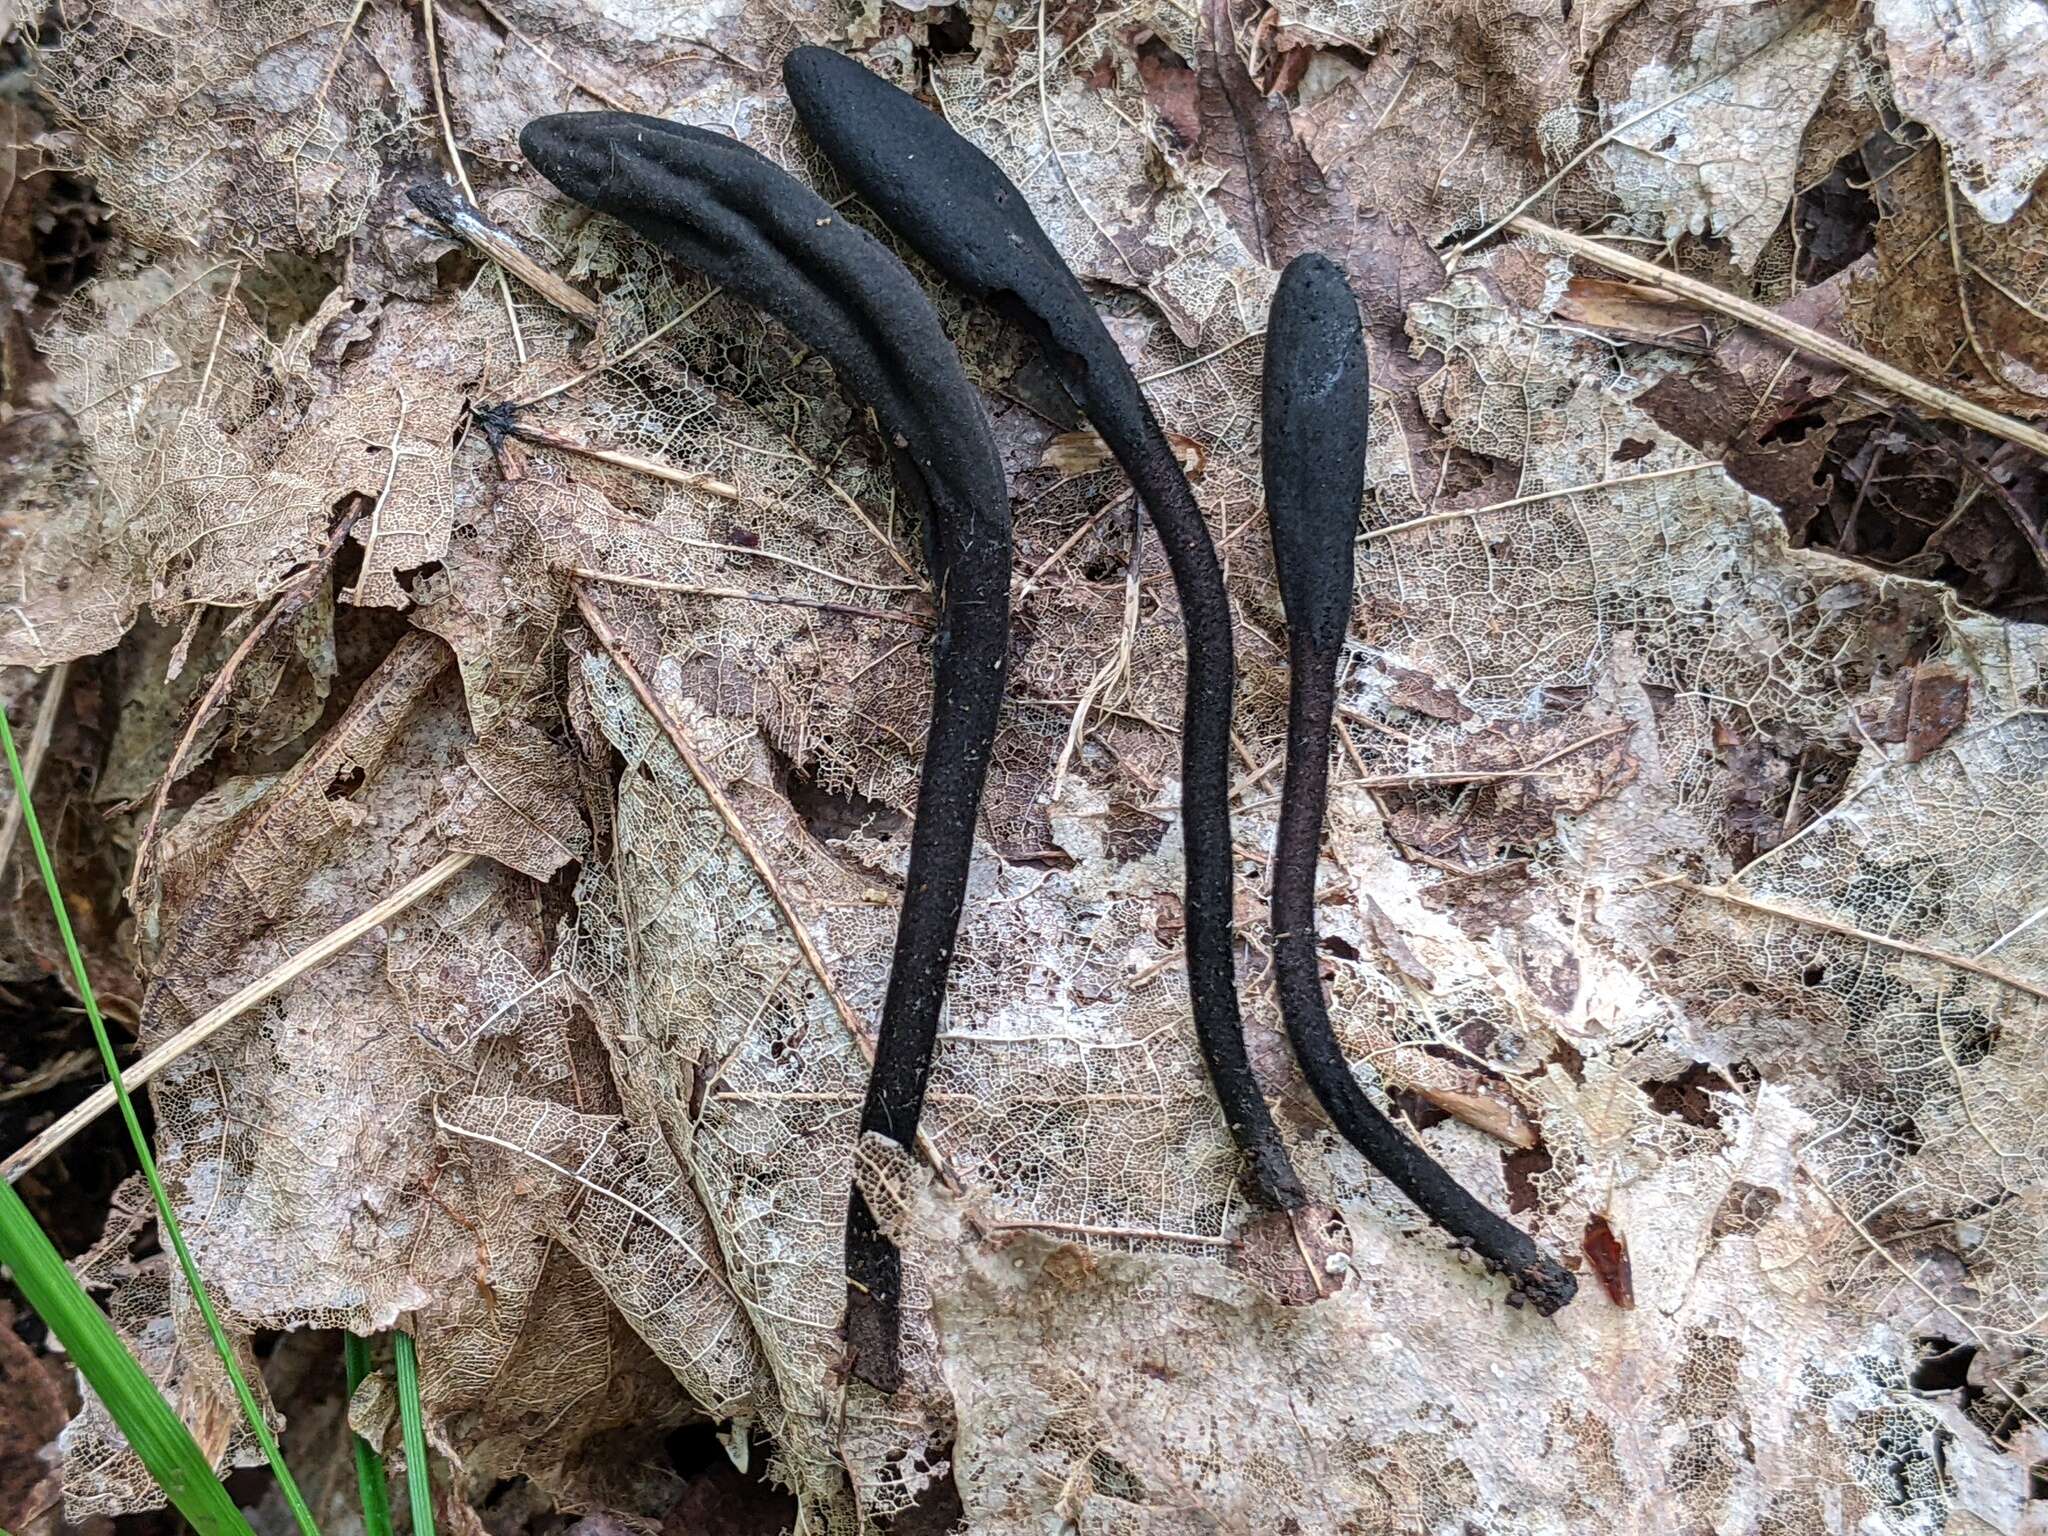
x=716, y=205
x=958, y=211
x=1315, y=418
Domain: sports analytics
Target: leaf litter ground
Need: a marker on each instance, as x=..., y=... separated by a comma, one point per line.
x=1682, y=876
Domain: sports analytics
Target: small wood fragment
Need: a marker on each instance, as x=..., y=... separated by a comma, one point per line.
x=462, y=219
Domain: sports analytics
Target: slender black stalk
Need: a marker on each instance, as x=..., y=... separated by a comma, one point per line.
x=1314, y=448
x=717, y=206
x=962, y=214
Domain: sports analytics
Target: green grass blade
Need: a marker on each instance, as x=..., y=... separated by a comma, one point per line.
x=166, y=1218
x=370, y=1478
x=419, y=1489
x=150, y=1424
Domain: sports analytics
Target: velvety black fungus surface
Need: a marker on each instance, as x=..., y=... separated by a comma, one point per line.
x=718, y=206
x=1315, y=418
x=964, y=216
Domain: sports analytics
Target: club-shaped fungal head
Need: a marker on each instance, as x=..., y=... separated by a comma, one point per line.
x=948, y=199
x=743, y=221
x=648, y=172
x=1315, y=418
x=704, y=197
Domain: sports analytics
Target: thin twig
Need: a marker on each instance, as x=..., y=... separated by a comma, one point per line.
x=1755, y=904
x=1129, y=1234
x=220, y=330
x=1059, y=159
x=1959, y=265
x=455, y=160
x=1258, y=776
x=1556, y=178
x=652, y=584
x=1159, y=967
x=2023, y=517
x=1087, y=526
x=1372, y=534
x=1799, y=337
x=1905, y=1272
x=612, y=362
x=295, y=595
x=1470, y=775
x=51, y=1073
x=547, y=437
x=461, y=218
x=1115, y=671
x=626, y=103
x=1207, y=357
x=1399, y=781
x=791, y=561
x=2010, y=296
x=584, y=1181
x=210, y=1023
x=348, y=30
x=54, y=684
x=645, y=341
x=846, y=499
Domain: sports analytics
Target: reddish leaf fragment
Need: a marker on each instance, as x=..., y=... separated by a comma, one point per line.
x=1273, y=193
x=1172, y=90
x=1928, y=706
x=1607, y=1252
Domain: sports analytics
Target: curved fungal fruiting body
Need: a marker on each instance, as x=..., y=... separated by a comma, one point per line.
x=963, y=215
x=718, y=206
x=1315, y=414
